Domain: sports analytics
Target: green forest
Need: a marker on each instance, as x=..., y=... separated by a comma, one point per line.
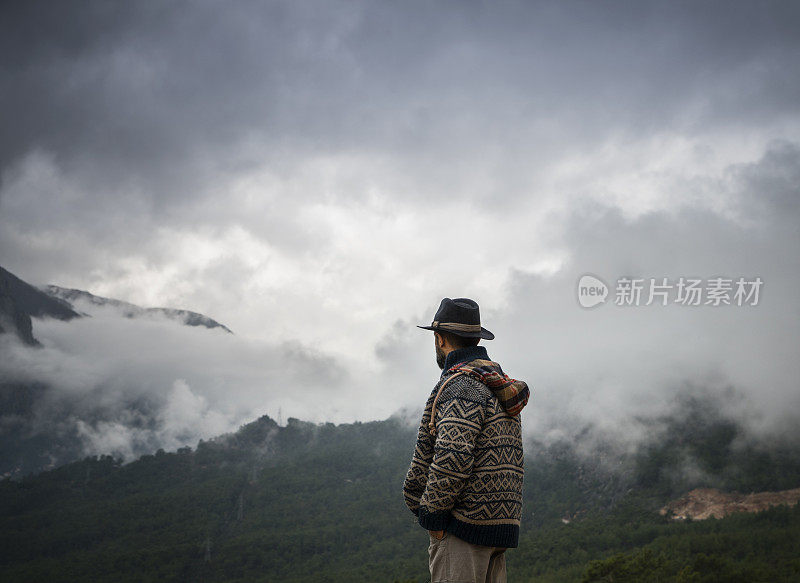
x=323, y=502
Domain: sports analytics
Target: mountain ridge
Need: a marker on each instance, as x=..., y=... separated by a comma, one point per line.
x=129, y=310
x=20, y=301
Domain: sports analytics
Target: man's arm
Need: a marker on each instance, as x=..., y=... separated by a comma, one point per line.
x=458, y=424
x=417, y=475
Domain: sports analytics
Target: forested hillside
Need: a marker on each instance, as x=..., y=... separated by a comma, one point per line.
x=312, y=502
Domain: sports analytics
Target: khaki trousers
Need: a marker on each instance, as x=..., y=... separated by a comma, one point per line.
x=453, y=560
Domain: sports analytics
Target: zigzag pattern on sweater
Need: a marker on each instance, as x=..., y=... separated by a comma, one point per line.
x=472, y=470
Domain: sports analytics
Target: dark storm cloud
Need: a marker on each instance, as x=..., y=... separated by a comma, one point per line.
x=122, y=118
x=163, y=96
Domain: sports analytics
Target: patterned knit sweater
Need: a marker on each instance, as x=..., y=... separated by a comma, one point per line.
x=467, y=478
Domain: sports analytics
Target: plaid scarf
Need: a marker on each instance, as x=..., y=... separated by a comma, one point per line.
x=512, y=394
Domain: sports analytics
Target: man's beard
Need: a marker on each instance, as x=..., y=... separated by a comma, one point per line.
x=440, y=356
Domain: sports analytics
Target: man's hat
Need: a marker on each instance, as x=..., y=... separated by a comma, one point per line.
x=460, y=316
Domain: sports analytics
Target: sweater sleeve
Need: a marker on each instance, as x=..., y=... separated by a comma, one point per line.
x=453, y=456
x=417, y=475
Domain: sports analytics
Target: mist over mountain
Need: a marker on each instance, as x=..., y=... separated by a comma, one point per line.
x=319, y=501
x=90, y=302
x=108, y=377
x=51, y=413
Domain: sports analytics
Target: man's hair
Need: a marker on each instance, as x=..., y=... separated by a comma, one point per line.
x=458, y=341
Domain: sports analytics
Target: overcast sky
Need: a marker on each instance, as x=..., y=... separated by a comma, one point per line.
x=318, y=175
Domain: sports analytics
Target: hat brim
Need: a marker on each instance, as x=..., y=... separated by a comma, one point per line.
x=484, y=333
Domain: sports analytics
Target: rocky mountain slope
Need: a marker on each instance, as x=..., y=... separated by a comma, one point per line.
x=19, y=301
x=34, y=302
x=12, y=319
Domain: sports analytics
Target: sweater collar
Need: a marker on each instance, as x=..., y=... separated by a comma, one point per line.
x=466, y=354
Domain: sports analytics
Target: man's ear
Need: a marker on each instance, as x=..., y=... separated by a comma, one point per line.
x=438, y=339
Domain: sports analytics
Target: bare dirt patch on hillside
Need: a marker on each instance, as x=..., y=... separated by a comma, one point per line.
x=703, y=503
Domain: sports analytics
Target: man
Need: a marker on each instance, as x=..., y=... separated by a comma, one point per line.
x=465, y=480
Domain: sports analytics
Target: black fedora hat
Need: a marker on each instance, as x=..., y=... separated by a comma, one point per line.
x=460, y=316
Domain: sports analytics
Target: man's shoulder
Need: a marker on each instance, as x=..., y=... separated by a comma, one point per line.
x=464, y=386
